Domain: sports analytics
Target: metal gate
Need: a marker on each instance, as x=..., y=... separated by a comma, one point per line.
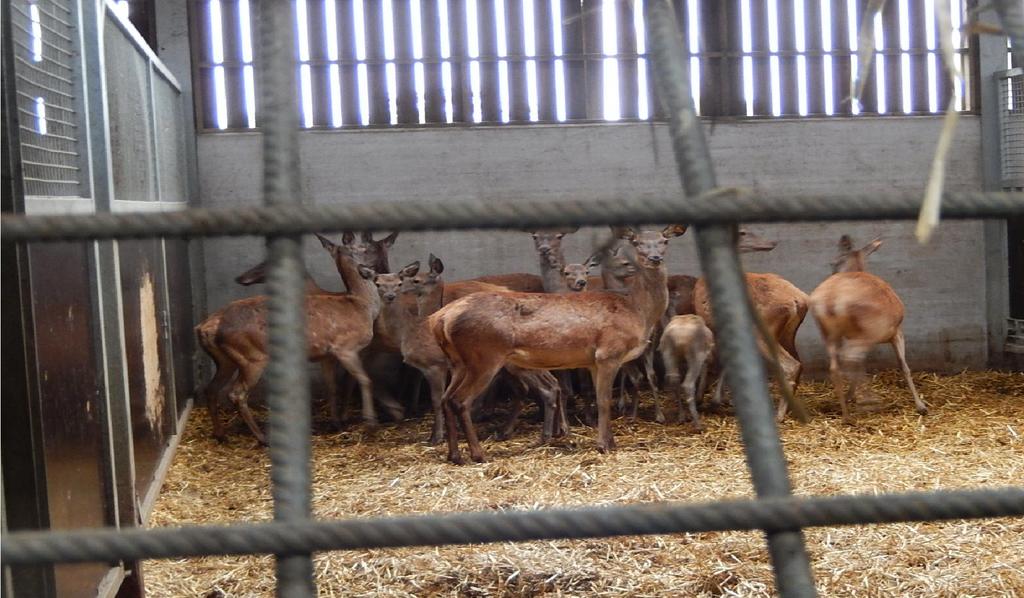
x=293, y=536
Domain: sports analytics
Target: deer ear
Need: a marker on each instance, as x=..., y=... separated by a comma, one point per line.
x=366, y=236
x=436, y=265
x=410, y=270
x=348, y=237
x=594, y=260
x=674, y=230
x=845, y=243
x=366, y=272
x=627, y=233
x=389, y=240
x=871, y=247
x=253, y=275
x=327, y=243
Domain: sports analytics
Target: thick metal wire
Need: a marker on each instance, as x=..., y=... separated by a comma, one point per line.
x=287, y=373
x=32, y=548
x=487, y=214
x=716, y=245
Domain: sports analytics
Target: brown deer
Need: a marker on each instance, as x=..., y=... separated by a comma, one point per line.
x=855, y=311
x=680, y=295
x=779, y=303
x=548, y=244
x=687, y=338
x=420, y=348
x=339, y=327
x=597, y=331
x=517, y=281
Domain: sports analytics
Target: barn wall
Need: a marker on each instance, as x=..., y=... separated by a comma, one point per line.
x=942, y=284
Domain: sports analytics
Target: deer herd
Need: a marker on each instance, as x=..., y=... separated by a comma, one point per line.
x=547, y=337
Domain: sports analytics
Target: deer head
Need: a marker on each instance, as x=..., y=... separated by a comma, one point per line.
x=651, y=245
x=851, y=260
x=576, y=275
x=550, y=240
x=254, y=275
x=389, y=286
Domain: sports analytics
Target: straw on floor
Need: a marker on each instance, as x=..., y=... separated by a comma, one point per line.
x=973, y=437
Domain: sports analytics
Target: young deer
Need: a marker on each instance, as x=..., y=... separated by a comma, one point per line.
x=420, y=348
x=687, y=338
x=855, y=311
x=339, y=326
x=780, y=304
x=598, y=331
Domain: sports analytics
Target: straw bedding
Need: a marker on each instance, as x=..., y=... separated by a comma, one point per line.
x=973, y=437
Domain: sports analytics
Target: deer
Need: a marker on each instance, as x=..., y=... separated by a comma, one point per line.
x=780, y=305
x=420, y=349
x=516, y=281
x=680, y=296
x=856, y=310
x=598, y=331
x=687, y=338
x=225, y=369
x=340, y=326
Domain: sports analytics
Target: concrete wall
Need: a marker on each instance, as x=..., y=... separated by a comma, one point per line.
x=943, y=284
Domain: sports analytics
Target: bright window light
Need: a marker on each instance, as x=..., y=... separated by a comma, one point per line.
x=220, y=97
x=956, y=21
x=530, y=49
x=334, y=75
x=359, y=16
x=473, y=49
x=746, y=38
x=643, y=105
x=446, y=67
x=929, y=30
x=773, y=61
x=248, y=78
x=302, y=29
x=503, y=96
x=609, y=37
x=801, y=60
x=305, y=76
x=216, y=33
x=416, y=18
x=880, y=64
x=556, y=25
x=905, y=82
x=124, y=9
x=306, y=81
x=826, y=44
x=37, y=33
x=389, y=54
x=41, y=116
x=852, y=23
x=693, y=10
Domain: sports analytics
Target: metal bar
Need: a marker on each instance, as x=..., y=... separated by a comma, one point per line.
x=286, y=374
x=63, y=123
x=33, y=67
x=720, y=262
x=480, y=214
x=48, y=135
x=44, y=88
x=58, y=182
x=42, y=25
x=44, y=165
x=25, y=548
x=46, y=44
x=48, y=106
x=46, y=149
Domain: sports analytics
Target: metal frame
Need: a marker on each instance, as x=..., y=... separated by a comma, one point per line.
x=293, y=536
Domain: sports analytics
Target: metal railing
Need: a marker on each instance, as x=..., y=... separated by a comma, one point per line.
x=293, y=535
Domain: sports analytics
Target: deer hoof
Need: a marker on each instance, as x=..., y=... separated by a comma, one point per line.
x=502, y=435
x=478, y=458
x=697, y=428
x=456, y=459
x=922, y=410
x=658, y=417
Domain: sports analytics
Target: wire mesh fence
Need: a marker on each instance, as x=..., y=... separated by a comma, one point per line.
x=293, y=535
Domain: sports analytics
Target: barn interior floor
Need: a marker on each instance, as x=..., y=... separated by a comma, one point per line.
x=973, y=437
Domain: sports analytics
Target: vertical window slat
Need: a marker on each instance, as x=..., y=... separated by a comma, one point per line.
x=461, y=103
x=430, y=28
x=707, y=27
x=376, y=77
x=348, y=73
x=842, y=57
x=593, y=47
x=547, y=101
x=628, y=90
x=405, y=98
x=515, y=35
x=893, y=76
x=761, y=70
x=490, y=103
x=574, y=68
x=320, y=73
x=815, y=72
x=789, y=83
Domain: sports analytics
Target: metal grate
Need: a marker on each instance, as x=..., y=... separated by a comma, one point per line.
x=44, y=62
x=1011, y=127
x=293, y=536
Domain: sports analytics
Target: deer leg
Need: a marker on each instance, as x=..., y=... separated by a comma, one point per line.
x=623, y=392
x=693, y=372
x=451, y=420
x=652, y=381
x=348, y=385
x=672, y=380
x=851, y=360
x=215, y=390
x=248, y=377
x=603, y=375
x=327, y=370
x=513, y=417
x=435, y=380
x=354, y=366
x=417, y=389
x=899, y=346
x=477, y=378
x=791, y=368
